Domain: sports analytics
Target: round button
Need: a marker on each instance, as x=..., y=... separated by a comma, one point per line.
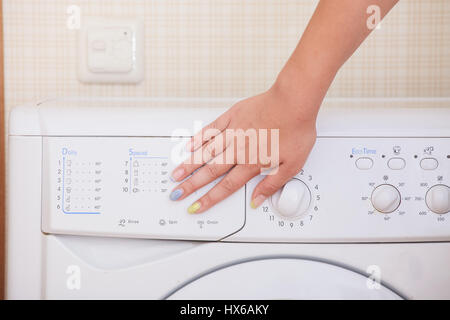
x=386, y=198
x=438, y=199
x=292, y=200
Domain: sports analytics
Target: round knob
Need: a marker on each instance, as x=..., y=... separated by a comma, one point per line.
x=438, y=199
x=292, y=200
x=386, y=198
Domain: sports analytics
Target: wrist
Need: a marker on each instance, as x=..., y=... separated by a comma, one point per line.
x=303, y=86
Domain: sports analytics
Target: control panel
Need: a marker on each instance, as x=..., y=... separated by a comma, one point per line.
x=359, y=189
x=350, y=189
x=120, y=187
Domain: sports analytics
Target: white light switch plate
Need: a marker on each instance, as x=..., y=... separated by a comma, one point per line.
x=111, y=50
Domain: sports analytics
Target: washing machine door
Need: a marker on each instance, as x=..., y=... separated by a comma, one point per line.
x=283, y=279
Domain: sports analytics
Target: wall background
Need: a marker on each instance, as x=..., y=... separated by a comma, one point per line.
x=223, y=48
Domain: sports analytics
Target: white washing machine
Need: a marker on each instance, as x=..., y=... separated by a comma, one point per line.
x=89, y=214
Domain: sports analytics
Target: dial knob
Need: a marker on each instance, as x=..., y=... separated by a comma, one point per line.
x=292, y=200
x=386, y=198
x=438, y=199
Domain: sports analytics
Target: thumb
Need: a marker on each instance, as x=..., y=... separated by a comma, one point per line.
x=270, y=184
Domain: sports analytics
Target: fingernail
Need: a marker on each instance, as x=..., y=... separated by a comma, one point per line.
x=177, y=174
x=176, y=194
x=194, y=207
x=255, y=203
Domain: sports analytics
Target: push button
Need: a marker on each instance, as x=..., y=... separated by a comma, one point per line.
x=429, y=163
x=364, y=163
x=396, y=163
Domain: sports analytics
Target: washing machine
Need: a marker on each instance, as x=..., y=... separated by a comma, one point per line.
x=89, y=215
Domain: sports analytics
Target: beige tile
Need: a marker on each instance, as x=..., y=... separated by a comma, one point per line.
x=223, y=48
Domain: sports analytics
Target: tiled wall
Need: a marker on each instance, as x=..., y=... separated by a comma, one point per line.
x=222, y=48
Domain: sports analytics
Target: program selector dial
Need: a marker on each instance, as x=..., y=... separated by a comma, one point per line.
x=292, y=200
x=438, y=199
x=386, y=198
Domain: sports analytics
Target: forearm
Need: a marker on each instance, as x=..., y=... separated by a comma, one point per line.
x=335, y=31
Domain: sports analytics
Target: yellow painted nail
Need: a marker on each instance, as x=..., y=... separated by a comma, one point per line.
x=257, y=201
x=194, y=207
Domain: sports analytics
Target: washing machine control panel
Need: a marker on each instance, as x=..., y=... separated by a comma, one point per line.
x=115, y=186
x=350, y=189
x=359, y=190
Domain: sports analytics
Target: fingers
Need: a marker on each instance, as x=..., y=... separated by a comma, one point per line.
x=199, y=157
x=270, y=184
x=207, y=133
x=202, y=177
x=232, y=182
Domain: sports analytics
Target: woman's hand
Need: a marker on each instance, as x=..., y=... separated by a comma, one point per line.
x=334, y=32
x=274, y=109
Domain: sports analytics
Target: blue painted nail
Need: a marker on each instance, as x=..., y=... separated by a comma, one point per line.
x=176, y=194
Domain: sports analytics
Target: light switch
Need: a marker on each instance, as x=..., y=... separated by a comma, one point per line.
x=111, y=50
